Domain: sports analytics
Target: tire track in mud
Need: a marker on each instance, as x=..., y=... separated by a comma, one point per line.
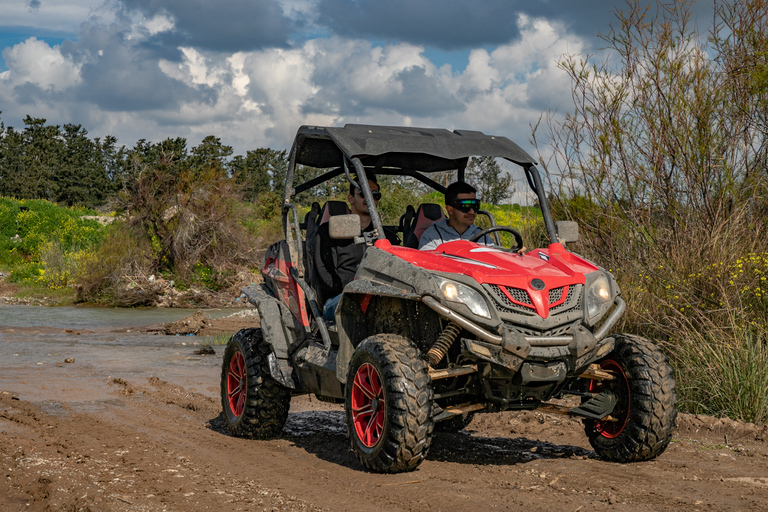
x=157, y=446
x=76, y=461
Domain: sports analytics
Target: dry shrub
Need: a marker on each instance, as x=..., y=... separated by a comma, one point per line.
x=59, y=268
x=190, y=219
x=662, y=162
x=116, y=273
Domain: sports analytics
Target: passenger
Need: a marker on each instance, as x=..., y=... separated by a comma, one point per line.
x=462, y=206
x=336, y=260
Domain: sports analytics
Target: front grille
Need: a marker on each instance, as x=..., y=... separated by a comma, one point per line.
x=568, y=304
x=503, y=303
x=561, y=330
x=521, y=301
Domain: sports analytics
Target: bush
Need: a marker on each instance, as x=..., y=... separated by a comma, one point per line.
x=40, y=242
x=661, y=161
x=188, y=218
x=116, y=272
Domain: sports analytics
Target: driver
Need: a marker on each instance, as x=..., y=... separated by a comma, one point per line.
x=462, y=206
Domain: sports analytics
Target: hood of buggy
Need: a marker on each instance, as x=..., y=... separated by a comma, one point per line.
x=538, y=280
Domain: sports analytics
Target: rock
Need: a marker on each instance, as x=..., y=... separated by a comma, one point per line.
x=206, y=350
x=188, y=325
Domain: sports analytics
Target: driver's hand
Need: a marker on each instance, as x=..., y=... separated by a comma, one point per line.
x=522, y=250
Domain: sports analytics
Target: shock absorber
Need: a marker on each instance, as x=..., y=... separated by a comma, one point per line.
x=443, y=343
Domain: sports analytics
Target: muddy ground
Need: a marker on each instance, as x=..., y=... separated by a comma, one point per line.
x=101, y=420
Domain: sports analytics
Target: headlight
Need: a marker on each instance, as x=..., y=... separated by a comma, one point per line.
x=598, y=294
x=457, y=292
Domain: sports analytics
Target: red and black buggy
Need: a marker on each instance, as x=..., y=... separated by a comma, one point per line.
x=423, y=340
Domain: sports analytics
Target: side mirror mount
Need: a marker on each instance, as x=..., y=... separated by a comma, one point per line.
x=567, y=231
x=344, y=226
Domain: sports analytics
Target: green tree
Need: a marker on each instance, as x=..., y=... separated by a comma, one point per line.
x=80, y=177
x=13, y=179
x=42, y=152
x=489, y=178
x=210, y=154
x=260, y=171
x=53, y=163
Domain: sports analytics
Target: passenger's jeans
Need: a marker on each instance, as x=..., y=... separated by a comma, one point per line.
x=329, y=309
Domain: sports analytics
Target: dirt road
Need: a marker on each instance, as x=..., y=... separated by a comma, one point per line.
x=132, y=423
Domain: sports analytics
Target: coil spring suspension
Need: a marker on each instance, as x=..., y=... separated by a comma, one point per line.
x=443, y=343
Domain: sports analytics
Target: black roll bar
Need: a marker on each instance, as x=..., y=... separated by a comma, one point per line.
x=365, y=188
x=534, y=181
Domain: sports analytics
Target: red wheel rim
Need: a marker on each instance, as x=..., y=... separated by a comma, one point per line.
x=368, y=407
x=620, y=387
x=236, y=384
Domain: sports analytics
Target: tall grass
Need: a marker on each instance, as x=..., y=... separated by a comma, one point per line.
x=722, y=371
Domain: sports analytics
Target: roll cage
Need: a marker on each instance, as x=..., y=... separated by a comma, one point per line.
x=397, y=151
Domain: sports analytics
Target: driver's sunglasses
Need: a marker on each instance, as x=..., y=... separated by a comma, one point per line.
x=374, y=193
x=465, y=205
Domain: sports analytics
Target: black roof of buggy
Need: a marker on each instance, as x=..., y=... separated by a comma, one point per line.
x=399, y=150
x=422, y=149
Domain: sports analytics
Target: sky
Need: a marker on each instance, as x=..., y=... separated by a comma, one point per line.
x=252, y=71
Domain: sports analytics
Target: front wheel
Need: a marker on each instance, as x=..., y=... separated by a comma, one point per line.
x=641, y=425
x=389, y=404
x=254, y=403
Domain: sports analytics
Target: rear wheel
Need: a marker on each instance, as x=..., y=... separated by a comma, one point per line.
x=641, y=425
x=389, y=404
x=254, y=404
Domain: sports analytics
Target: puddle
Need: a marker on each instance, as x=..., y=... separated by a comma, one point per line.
x=36, y=341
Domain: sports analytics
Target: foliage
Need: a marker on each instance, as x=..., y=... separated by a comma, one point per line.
x=108, y=275
x=662, y=162
x=27, y=227
x=188, y=216
x=526, y=220
x=59, y=164
x=722, y=370
x=260, y=172
x=490, y=180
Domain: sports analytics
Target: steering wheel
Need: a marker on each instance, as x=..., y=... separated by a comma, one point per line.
x=515, y=233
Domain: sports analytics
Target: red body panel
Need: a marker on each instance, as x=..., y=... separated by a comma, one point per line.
x=555, y=266
x=288, y=290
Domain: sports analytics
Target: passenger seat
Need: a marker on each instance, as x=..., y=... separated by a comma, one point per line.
x=426, y=215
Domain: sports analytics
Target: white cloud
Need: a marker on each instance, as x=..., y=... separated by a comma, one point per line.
x=144, y=28
x=258, y=98
x=480, y=75
x=35, y=62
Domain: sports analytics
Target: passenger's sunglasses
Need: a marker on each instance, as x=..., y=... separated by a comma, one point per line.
x=464, y=205
x=375, y=193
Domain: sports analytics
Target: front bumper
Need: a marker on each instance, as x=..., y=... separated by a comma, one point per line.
x=512, y=348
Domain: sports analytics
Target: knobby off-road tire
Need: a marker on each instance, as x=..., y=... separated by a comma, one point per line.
x=389, y=404
x=647, y=405
x=255, y=405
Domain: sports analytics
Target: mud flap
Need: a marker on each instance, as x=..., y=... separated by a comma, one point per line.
x=275, y=321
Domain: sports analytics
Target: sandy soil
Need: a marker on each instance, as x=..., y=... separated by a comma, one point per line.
x=135, y=428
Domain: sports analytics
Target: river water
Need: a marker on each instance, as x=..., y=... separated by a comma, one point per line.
x=105, y=344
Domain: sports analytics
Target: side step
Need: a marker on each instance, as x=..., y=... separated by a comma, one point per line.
x=456, y=410
x=598, y=408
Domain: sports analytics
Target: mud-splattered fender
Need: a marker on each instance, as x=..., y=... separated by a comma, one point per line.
x=281, y=331
x=351, y=316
